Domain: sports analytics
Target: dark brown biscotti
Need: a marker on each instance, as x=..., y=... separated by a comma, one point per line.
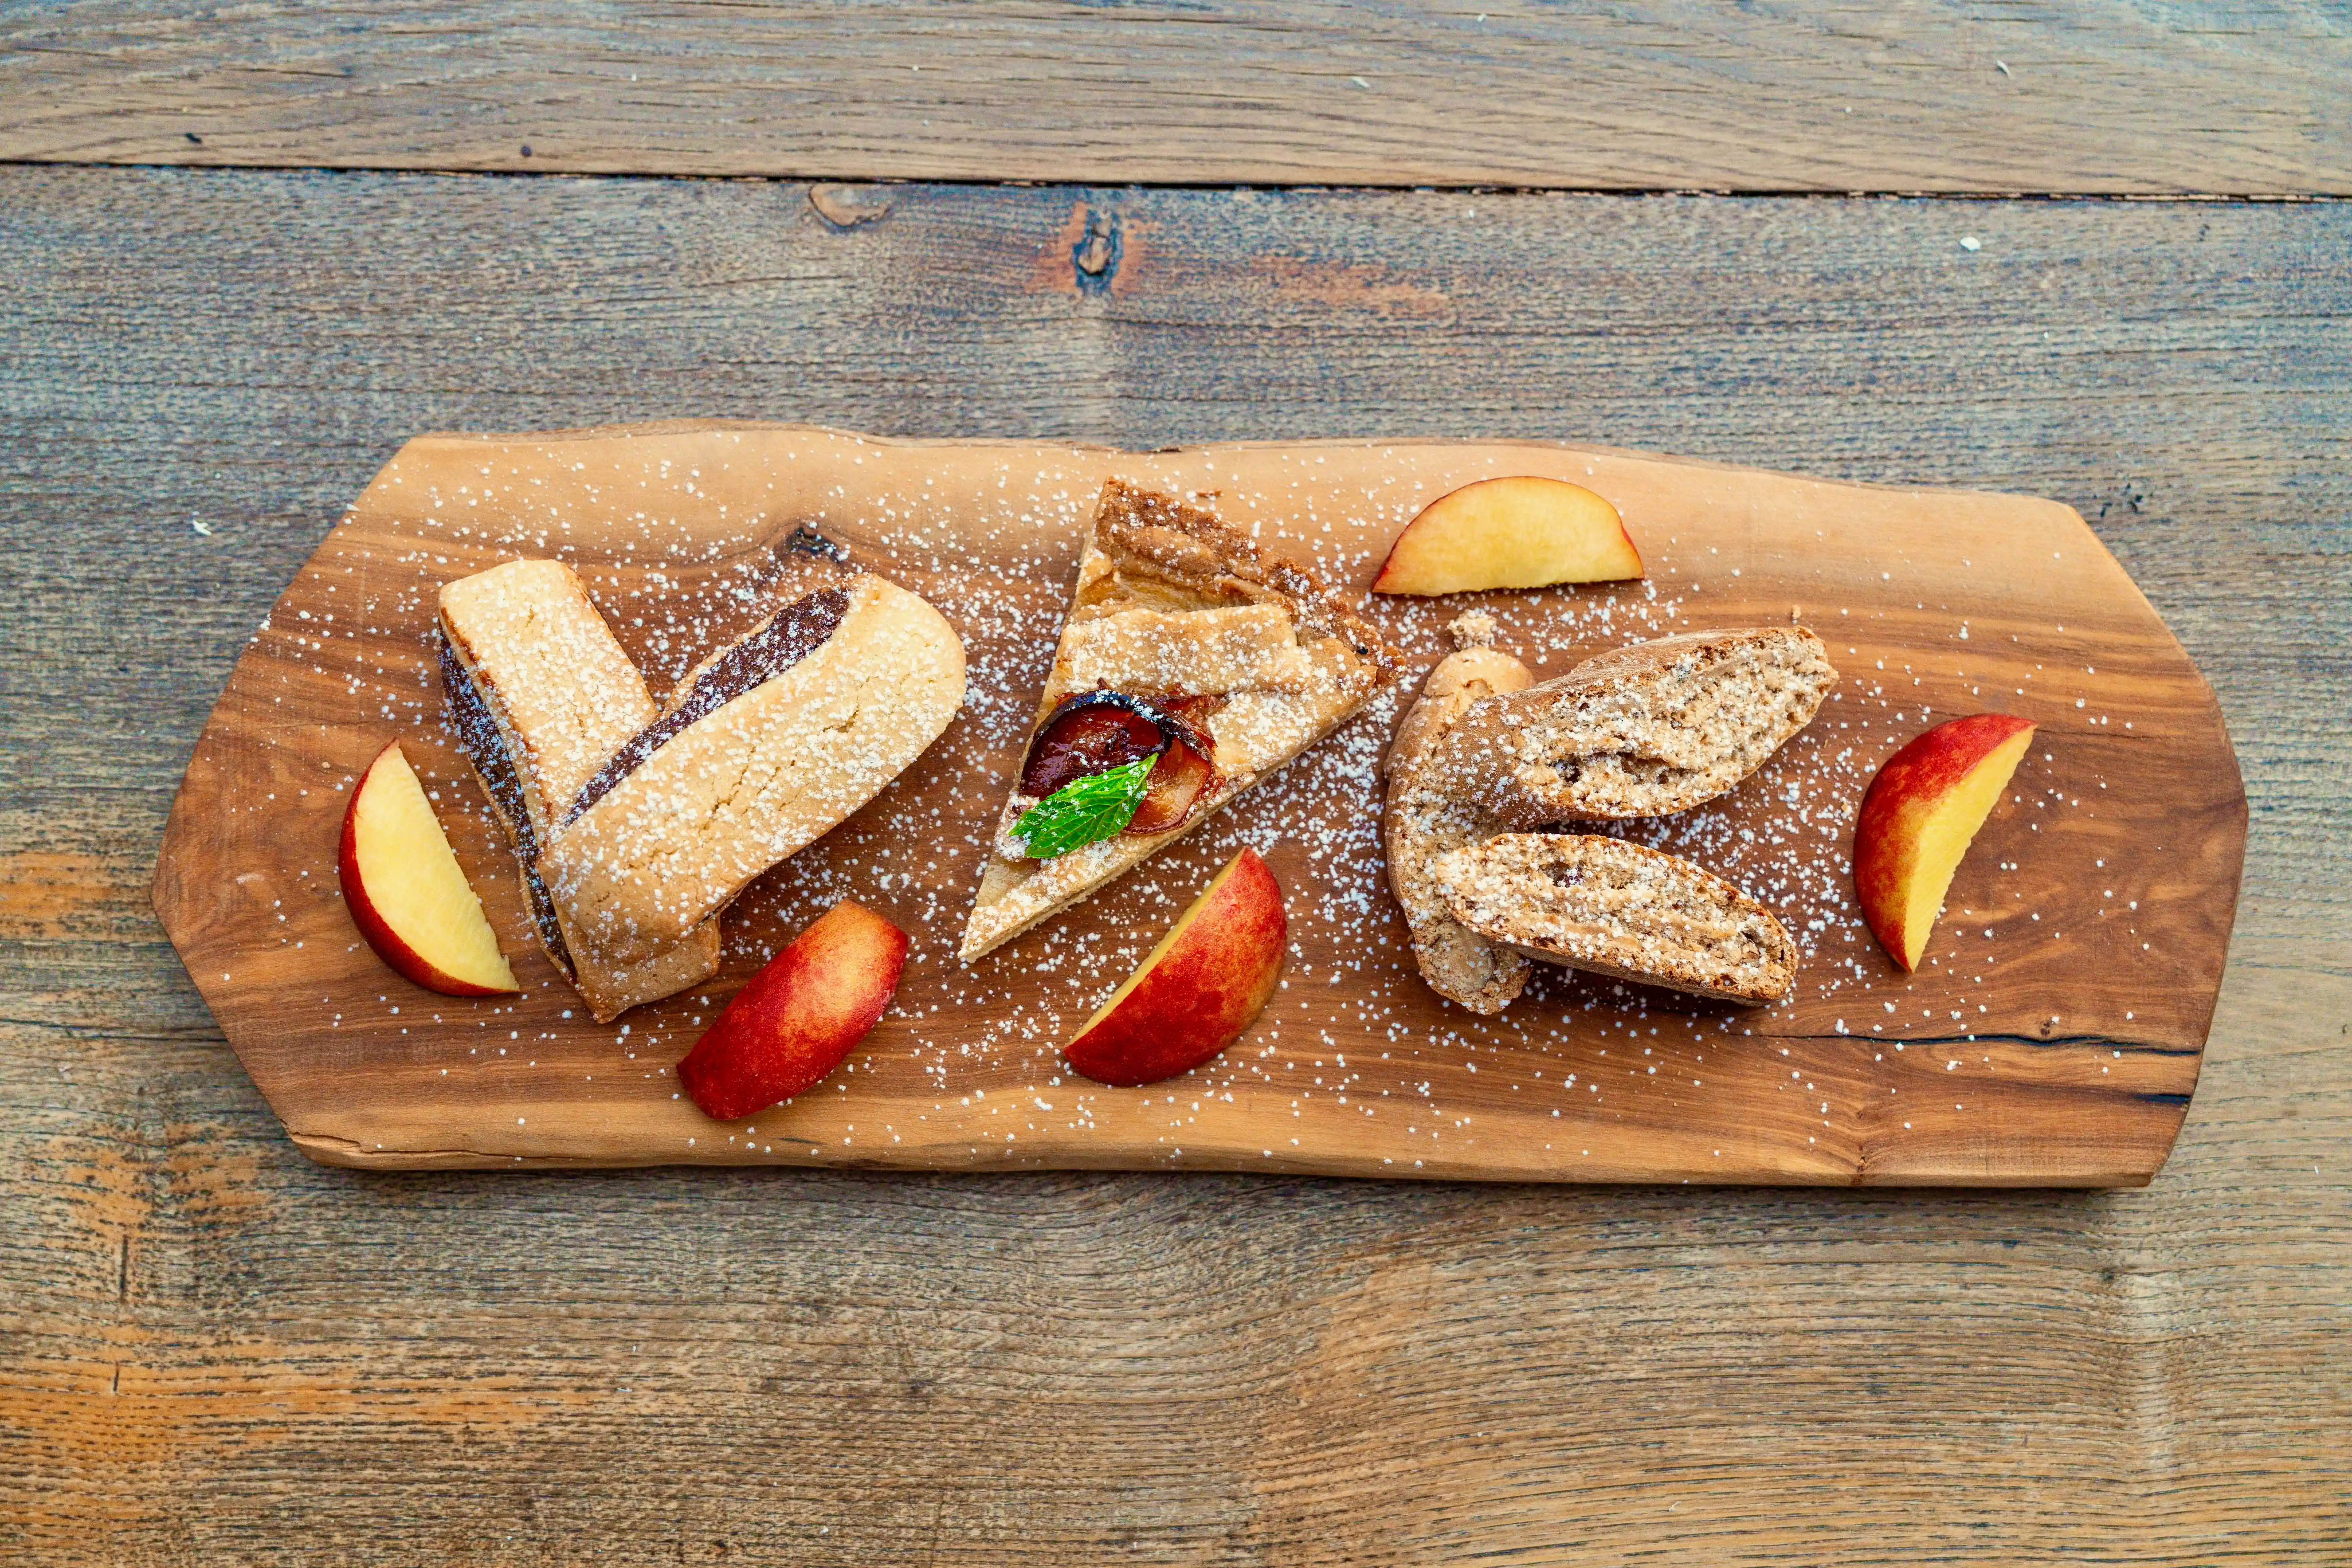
x=766, y=745
x=1618, y=909
x=1647, y=730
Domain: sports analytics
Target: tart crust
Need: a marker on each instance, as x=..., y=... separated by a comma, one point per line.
x=1170, y=601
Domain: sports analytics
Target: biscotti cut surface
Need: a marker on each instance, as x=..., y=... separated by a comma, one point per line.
x=1642, y=730
x=1619, y=909
x=541, y=696
x=1172, y=602
x=759, y=774
x=560, y=686
x=1429, y=814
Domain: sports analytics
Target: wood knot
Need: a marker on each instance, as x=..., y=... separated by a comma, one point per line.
x=846, y=206
x=1095, y=257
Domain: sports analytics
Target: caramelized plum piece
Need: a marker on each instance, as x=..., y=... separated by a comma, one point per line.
x=1074, y=744
x=1178, y=779
x=1185, y=772
x=1097, y=730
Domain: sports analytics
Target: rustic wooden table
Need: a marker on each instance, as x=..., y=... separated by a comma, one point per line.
x=212, y=1351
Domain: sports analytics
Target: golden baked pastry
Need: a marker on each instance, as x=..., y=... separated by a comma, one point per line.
x=541, y=697
x=1187, y=646
x=765, y=745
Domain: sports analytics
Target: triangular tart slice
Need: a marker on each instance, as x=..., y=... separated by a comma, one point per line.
x=1187, y=644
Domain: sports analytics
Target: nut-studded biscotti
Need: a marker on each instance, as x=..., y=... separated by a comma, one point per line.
x=1645, y=730
x=766, y=745
x=1619, y=909
x=1428, y=815
x=1642, y=731
x=541, y=696
x=1192, y=665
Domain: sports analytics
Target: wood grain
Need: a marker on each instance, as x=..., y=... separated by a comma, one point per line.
x=2063, y=1003
x=2119, y=96
x=212, y=1349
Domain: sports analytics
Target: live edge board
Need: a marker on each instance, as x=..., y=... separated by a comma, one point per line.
x=2050, y=1037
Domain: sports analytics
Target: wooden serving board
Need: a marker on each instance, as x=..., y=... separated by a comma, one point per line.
x=2053, y=1035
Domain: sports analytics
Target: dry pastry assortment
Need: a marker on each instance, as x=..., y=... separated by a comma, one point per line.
x=1193, y=663
x=633, y=826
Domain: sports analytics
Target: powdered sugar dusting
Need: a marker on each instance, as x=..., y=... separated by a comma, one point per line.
x=1355, y=1065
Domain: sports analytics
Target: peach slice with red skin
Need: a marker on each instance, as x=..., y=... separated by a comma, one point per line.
x=406, y=891
x=1206, y=983
x=1918, y=818
x=798, y=1017
x=1519, y=532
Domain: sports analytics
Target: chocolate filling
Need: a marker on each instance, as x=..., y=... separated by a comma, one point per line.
x=485, y=748
x=799, y=629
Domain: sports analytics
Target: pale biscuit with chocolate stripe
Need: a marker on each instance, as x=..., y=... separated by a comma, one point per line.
x=767, y=746
x=541, y=696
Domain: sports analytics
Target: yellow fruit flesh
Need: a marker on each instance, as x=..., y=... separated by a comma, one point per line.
x=1523, y=532
x=412, y=877
x=1157, y=954
x=1945, y=836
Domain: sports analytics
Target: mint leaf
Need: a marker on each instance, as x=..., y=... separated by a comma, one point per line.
x=1085, y=810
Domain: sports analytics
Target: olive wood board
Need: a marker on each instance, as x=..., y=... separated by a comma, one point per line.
x=2051, y=1036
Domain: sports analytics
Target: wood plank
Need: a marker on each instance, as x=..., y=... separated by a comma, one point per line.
x=856, y=1367
x=2062, y=1053
x=213, y=1349
x=1921, y=95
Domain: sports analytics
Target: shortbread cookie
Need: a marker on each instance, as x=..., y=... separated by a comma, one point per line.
x=1187, y=646
x=541, y=696
x=766, y=745
x=1617, y=908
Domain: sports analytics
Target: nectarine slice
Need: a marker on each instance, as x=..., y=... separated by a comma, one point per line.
x=1522, y=532
x=1918, y=818
x=795, y=1022
x=1206, y=982
x=408, y=893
